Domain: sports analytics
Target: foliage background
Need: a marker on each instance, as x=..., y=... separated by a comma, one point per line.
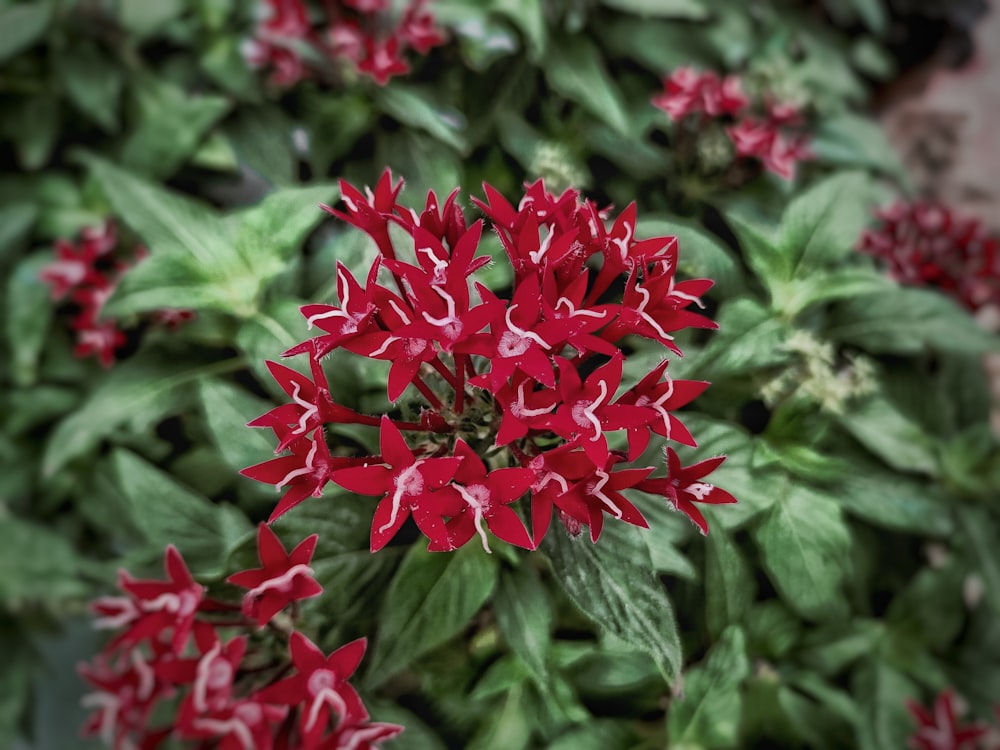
x=859, y=568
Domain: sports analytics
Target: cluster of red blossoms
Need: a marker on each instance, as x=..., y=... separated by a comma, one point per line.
x=366, y=34
x=768, y=132
x=924, y=243
x=188, y=668
x=939, y=728
x=86, y=271
x=513, y=397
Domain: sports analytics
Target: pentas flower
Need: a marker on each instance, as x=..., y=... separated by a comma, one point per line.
x=190, y=672
x=925, y=243
x=765, y=131
x=938, y=727
x=517, y=390
x=87, y=270
x=295, y=43
x=283, y=577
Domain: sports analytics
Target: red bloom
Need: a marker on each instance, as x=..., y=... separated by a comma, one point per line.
x=283, y=578
x=683, y=488
x=939, y=729
x=321, y=687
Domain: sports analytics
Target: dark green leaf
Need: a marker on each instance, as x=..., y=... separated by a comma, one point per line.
x=38, y=564
x=23, y=24
x=692, y=10
x=33, y=126
x=227, y=409
x=907, y=321
x=901, y=503
x=137, y=393
x=848, y=140
x=15, y=679
x=709, y=714
x=93, y=83
x=29, y=312
x=432, y=598
x=749, y=338
x=169, y=513
x=417, y=108
x=144, y=18
x=729, y=586
x=575, y=69
x=16, y=220
x=982, y=533
x=806, y=550
x=885, y=431
x=617, y=590
x=524, y=613
x=882, y=693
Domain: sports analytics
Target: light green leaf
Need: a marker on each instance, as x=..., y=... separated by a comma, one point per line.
x=137, y=393
x=874, y=13
x=144, y=18
x=822, y=224
x=907, y=321
x=227, y=409
x=93, y=83
x=982, y=533
x=16, y=220
x=709, y=714
x=169, y=513
x=172, y=122
x=29, y=312
x=889, y=434
x=261, y=138
x=524, y=613
x=575, y=69
x=618, y=591
x=848, y=140
x=760, y=241
x=749, y=338
x=37, y=563
x=23, y=24
x=416, y=107
x=529, y=15
x=691, y=10
x=432, y=597
x=729, y=586
x=806, y=550
x=800, y=294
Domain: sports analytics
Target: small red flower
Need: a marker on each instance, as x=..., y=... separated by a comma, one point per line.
x=683, y=488
x=938, y=728
x=283, y=577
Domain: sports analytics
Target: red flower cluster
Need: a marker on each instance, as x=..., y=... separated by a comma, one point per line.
x=363, y=33
x=925, y=243
x=938, y=727
x=87, y=271
x=176, y=655
x=766, y=132
x=515, y=395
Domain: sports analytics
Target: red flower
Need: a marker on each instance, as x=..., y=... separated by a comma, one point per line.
x=321, y=687
x=683, y=488
x=283, y=578
x=407, y=484
x=938, y=728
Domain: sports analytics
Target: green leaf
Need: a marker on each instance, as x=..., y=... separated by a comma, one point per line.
x=981, y=533
x=599, y=734
x=616, y=589
x=524, y=613
x=874, y=14
x=930, y=608
x=29, y=312
x=416, y=107
x=882, y=693
x=431, y=599
x=227, y=409
x=760, y=241
x=805, y=548
x=33, y=126
x=23, y=24
x=169, y=513
x=529, y=16
x=137, y=393
x=172, y=122
x=702, y=255
x=822, y=224
x=729, y=586
x=896, y=502
x=38, y=565
x=798, y=295
x=709, y=714
x=885, y=431
x=908, y=321
x=15, y=679
x=16, y=220
x=848, y=140
x=261, y=138
x=143, y=18
x=692, y=10
x=575, y=69
x=749, y=338
x=93, y=83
